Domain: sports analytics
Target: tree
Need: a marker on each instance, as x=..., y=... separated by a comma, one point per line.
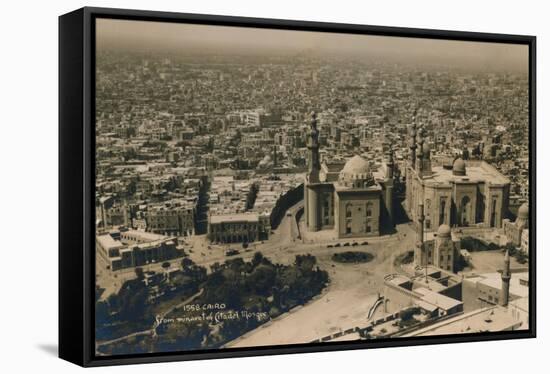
x=257, y=259
x=187, y=262
x=262, y=280
x=305, y=262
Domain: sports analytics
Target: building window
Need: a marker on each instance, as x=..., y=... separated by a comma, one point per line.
x=369, y=209
x=442, y=206
x=465, y=211
x=326, y=205
x=348, y=211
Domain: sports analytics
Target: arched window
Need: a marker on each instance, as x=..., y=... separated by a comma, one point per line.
x=442, y=211
x=369, y=209
x=465, y=211
x=348, y=210
x=348, y=227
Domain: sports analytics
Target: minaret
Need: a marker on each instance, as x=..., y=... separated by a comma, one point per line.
x=313, y=147
x=412, y=146
x=421, y=258
x=419, y=154
x=391, y=164
x=426, y=159
x=311, y=193
x=389, y=185
x=505, y=275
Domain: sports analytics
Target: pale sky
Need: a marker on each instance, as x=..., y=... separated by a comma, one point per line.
x=187, y=38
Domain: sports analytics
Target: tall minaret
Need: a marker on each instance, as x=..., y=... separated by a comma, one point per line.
x=420, y=146
x=313, y=146
x=389, y=185
x=311, y=185
x=420, y=257
x=505, y=275
x=412, y=146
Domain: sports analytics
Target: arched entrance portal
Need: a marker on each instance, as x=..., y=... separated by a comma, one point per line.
x=464, y=211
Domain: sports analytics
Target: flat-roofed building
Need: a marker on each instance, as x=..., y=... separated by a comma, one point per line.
x=436, y=292
x=233, y=228
x=173, y=217
x=131, y=248
x=493, y=318
x=481, y=290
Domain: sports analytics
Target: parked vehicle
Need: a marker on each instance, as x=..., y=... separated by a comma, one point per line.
x=232, y=252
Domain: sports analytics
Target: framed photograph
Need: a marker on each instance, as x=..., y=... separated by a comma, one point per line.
x=236, y=186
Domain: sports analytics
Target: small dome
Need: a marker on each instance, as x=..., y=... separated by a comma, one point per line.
x=459, y=167
x=356, y=165
x=444, y=231
x=523, y=211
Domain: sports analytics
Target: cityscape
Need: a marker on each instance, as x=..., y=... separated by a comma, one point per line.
x=277, y=187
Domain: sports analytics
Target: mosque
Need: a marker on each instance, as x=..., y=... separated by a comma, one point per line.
x=353, y=199
x=464, y=194
x=514, y=230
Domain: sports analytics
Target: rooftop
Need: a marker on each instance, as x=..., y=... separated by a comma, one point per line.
x=437, y=299
x=236, y=217
x=107, y=242
x=475, y=172
x=494, y=280
x=486, y=319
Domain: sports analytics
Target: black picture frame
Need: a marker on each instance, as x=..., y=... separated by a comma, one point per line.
x=76, y=183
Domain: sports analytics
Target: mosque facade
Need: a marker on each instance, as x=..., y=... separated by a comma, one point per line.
x=461, y=194
x=352, y=198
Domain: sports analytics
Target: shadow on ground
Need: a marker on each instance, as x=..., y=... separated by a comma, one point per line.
x=50, y=349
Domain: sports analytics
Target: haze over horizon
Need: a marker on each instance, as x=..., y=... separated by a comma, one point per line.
x=164, y=37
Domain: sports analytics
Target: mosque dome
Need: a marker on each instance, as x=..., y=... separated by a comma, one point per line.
x=459, y=167
x=356, y=173
x=444, y=231
x=523, y=211
x=356, y=165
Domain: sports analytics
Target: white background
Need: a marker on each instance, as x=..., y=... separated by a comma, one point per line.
x=28, y=175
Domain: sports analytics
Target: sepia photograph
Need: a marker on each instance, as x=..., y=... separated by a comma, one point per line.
x=264, y=187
